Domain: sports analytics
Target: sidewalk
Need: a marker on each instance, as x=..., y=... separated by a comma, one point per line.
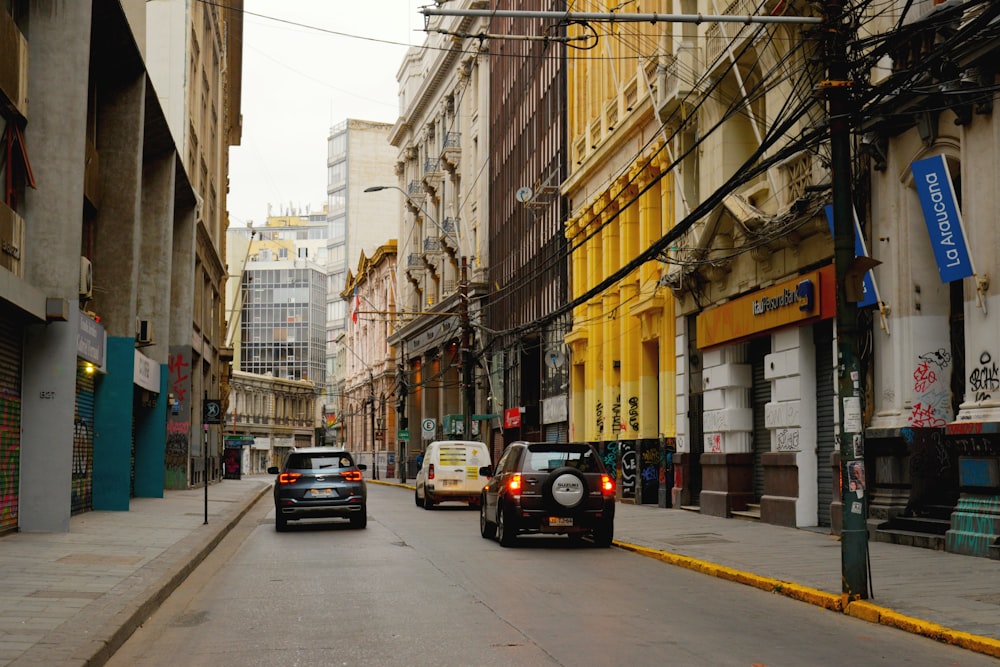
x=73, y=598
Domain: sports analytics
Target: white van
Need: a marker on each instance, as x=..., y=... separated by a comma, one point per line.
x=450, y=471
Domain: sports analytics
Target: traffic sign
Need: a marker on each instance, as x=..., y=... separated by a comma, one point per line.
x=428, y=427
x=404, y=434
x=211, y=411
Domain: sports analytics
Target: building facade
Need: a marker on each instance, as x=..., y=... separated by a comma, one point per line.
x=359, y=156
x=194, y=57
x=268, y=416
x=623, y=361
x=528, y=371
x=442, y=139
x=372, y=383
x=102, y=234
x=931, y=445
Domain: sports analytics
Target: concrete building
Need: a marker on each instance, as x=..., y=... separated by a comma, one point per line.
x=193, y=52
x=359, y=155
x=105, y=239
x=442, y=139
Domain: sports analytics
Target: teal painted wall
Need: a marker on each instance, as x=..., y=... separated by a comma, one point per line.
x=151, y=442
x=113, y=404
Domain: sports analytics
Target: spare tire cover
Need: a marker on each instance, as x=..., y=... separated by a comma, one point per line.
x=566, y=487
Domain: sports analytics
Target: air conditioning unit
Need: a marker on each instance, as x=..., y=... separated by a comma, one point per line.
x=86, y=278
x=143, y=331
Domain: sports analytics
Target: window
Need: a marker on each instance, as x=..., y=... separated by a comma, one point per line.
x=283, y=253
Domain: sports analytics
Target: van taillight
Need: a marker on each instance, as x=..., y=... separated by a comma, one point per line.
x=430, y=471
x=289, y=477
x=514, y=485
x=351, y=475
x=607, y=485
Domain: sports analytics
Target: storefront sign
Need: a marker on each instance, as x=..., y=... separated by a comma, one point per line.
x=512, y=418
x=92, y=342
x=944, y=221
x=804, y=298
x=146, y=372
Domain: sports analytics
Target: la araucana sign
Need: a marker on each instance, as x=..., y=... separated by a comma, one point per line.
x=944, y=220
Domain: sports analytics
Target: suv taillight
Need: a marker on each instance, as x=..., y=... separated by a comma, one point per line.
x=351, y=475
x=607, y=485
x=514, y=484
x=430, y=471
x=289, y=477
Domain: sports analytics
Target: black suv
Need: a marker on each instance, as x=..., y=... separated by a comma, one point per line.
x=548, y=487
x=319, y=482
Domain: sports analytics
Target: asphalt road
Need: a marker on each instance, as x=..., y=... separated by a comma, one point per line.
x=420, y=587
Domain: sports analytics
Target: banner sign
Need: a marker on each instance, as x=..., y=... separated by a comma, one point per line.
x=869, y=295
x=944, y=221
x=512, y=418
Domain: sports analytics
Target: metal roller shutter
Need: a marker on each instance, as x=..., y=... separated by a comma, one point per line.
x=761, y=392
x=10, y=418
x=83, y=443
x=825, y=440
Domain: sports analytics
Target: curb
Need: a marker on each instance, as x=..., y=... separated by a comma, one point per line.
x=860, y=609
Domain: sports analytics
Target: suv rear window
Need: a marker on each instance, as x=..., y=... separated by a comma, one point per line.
x=318, y=461
x=546, y=458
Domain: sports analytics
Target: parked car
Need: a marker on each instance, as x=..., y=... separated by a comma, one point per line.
x=547, y=487
x=450, y=470
x=319, y=482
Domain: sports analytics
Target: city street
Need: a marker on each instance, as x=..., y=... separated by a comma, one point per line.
x=423, y=588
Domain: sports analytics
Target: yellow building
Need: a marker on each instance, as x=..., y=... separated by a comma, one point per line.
x=622, y=200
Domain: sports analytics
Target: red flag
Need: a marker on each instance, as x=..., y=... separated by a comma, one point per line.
x=357, y=306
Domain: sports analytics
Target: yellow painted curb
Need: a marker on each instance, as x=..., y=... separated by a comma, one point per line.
x=786, y=588
x=860, y=609
x=381, y=483
x=876, y=614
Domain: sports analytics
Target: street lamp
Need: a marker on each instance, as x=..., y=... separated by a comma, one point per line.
x=468, y=390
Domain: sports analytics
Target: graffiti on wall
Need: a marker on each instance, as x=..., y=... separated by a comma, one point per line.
x=787, y=439
x=630, y=465
x=609, y=455
x=179, y=379
x=599, y=415
x=633, y=412
x=984, y=380
x=10, y=455
x=931, y=380
x=616, y=413
x=176, y=457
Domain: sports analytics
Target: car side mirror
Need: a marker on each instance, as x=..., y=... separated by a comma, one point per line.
x=273, y=470
x=486, y=471
x=362, y=466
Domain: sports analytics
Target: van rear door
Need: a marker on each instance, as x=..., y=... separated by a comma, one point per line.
x=458, y=467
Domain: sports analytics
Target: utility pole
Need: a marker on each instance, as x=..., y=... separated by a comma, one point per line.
x=854, y=531
x=468, y=386
x=371, y=400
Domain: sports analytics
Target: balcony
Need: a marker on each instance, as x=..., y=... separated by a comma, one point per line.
x=675, y=83
x=451, y=151
x=415, y=188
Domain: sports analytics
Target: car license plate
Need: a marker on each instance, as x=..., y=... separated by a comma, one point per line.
x=560, y=521
x=322, y=493
x=449, y=482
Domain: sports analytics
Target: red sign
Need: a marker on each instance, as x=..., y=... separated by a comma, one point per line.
x=512, y=418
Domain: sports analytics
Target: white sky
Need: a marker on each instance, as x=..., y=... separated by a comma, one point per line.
x=298, y=82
